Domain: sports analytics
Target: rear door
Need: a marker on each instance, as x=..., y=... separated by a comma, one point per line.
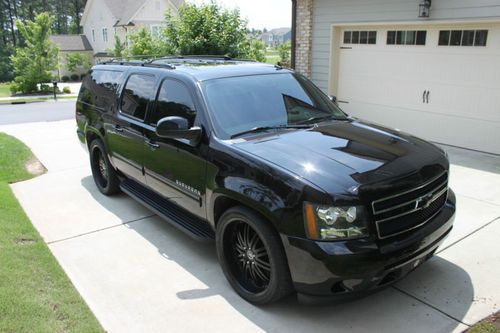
x=125, y=132
x=174, y=167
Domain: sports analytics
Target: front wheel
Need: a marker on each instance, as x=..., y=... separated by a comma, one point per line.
x=252, y=256
x=104, y=174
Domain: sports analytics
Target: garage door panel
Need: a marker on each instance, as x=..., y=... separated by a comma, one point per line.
x=469, y=133
x=386, y=83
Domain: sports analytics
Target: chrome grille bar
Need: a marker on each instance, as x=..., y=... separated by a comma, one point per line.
x=406, y=210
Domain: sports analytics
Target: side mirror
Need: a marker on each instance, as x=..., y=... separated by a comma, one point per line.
x=177, y=128
x=333, y=99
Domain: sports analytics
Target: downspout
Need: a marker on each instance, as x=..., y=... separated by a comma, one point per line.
x=294, y=33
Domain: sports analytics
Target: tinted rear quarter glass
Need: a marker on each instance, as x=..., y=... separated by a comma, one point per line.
x=100, y=88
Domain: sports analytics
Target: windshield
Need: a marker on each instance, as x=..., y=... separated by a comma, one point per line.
x=239, y=104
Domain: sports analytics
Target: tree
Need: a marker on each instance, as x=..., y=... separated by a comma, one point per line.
x=206, y=29
x=143, y=44
x=284, y=51
x=119, y=50
x=78, y=60
x=34, y=62
x=256, y=50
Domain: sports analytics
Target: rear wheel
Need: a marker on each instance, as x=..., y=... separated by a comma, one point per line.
x=104, y=174
x=252, y=256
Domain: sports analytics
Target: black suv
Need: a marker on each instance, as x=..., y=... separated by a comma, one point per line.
x=298, y=196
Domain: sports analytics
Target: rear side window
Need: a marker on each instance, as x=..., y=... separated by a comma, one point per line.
x=137, y=94
x=174, y=99
x=100, y=88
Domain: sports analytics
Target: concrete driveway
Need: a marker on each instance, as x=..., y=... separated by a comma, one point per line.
x=138, y=274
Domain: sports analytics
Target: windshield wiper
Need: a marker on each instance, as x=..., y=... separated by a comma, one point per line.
x=265, y=128
x=320, y=118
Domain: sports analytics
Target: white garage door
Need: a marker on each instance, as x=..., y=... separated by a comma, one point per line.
x=441, y=83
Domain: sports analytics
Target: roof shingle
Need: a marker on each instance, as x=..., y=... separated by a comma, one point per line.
x=71, y=42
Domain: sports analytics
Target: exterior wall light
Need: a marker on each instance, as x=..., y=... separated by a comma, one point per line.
x=424, y=8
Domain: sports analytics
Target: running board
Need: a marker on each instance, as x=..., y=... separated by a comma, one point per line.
x=178, y=217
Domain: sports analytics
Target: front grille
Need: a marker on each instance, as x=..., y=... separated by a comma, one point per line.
x=410, y=209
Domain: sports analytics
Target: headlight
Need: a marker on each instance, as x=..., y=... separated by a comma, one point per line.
x=334, y=223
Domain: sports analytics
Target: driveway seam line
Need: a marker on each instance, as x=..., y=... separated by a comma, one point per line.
x=98, y=230
x=480, y=200
x=472, y=233
x=430, y=305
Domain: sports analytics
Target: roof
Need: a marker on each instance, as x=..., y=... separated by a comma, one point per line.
x=71, y=42
x=280, y=31
x=124, y=11
x=202, y=69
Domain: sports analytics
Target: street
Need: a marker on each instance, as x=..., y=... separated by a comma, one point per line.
x=36, y=112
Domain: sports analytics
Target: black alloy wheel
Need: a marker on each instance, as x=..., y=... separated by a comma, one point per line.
x=104, y=174
x=252, y=256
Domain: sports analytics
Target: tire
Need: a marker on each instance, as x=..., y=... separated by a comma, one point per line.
x=252, y=256
x=104, y=174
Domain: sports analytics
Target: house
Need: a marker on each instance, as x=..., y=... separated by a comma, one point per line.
x=103, y=19
x=276, y=37
x=430, y=68
x=68, y=44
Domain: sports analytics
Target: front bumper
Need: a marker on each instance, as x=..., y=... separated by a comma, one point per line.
x=336, y=271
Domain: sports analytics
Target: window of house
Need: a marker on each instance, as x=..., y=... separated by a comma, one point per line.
x=463, y=37
x=360, y=37
x=105, y=34
x=406, y=37
x=155, y=30
x=173, y=99
x=136, y=95
x=93, y=35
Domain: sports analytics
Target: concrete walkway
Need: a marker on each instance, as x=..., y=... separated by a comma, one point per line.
x=138, y=274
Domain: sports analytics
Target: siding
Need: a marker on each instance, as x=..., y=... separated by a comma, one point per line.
x=328, y=12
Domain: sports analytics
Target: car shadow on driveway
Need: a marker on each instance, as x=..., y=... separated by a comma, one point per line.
x=393, y=309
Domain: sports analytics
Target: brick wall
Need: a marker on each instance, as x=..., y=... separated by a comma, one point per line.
x=304, y=37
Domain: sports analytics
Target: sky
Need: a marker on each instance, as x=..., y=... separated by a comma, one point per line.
x=261, y=14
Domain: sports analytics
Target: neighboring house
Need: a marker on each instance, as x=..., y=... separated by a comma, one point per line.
x=276, y=37
x=103, y=19
x=71, y=44
x=428, y=68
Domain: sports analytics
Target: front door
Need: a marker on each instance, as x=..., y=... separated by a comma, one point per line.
x=174, y=167
x=125, y=133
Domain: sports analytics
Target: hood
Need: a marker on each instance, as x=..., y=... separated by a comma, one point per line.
x=341, y=156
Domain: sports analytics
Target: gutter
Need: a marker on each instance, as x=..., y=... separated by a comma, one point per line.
x=294, y=33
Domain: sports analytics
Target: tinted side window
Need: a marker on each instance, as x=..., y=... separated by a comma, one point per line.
x=174, y=99
x=100, y=88
x=137, y=94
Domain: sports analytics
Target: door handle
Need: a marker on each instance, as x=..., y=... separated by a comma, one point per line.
x=118, y=128
x=427, y=96
x=423, y=96
x=152, y=144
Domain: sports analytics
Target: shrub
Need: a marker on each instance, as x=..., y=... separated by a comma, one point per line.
x=46, y=88
x=74, y=77
x=66, y=90
x=65, y=78
x=14, y=88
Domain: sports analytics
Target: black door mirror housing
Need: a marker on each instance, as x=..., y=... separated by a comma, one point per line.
x=177, y=128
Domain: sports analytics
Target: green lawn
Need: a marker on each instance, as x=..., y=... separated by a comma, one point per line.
x=35, y=293
x=488, y=325
x=4, y=89
x=272, y=56
x=36, y=99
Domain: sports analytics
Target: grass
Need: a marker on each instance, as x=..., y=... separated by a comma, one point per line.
x=4, y=89
x=35, y=293
x=488, y=325
x=272, y=56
